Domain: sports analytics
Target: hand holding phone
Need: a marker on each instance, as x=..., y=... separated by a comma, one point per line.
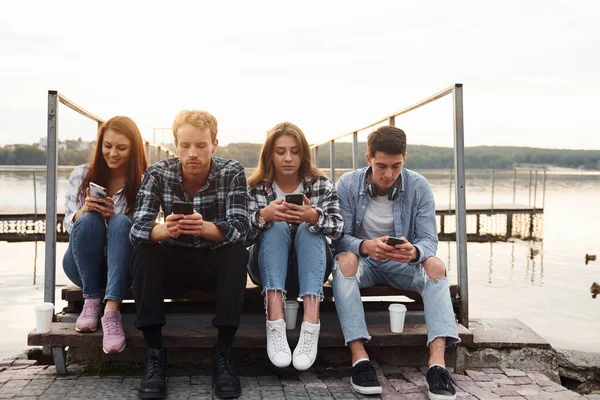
x=182, y=207
x=295, y=198
x=393, y=241
x=97, y=200
x=97, y=191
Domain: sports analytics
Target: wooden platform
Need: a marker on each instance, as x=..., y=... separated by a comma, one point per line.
x=185, y=335
x=199, y=301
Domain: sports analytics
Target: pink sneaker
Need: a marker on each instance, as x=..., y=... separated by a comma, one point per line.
x=88, y=319
x=113, y=340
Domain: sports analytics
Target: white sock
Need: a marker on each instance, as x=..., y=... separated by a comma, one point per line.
x=276, y=324
x=311, y=327
x=438, y=366
x=359, y=360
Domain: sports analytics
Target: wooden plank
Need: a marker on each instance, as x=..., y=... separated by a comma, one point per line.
x=253, y=292
x=63, y=334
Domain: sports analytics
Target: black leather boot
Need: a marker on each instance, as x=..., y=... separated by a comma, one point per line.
x=154, y=384
x=226, y=382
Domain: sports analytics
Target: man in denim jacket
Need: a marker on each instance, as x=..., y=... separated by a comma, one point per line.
x=377, y=202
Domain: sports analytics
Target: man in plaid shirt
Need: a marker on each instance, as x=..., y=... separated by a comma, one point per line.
x=203, y=249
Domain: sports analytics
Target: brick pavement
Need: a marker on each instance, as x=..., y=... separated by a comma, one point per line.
x=22, y=379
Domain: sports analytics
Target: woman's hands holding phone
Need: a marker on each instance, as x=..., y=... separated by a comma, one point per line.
x=276, y=211
x=279, y=211
x=106, y=207
x=303, y=213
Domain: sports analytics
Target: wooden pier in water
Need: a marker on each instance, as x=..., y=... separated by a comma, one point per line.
x=485, y=223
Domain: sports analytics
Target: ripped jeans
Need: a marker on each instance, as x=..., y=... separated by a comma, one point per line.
x=439, y=315
x=303, y=253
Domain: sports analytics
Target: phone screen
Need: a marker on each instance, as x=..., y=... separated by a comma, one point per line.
x=97, y=191
x=295, y=198
x=392, y=241
x=182, y=207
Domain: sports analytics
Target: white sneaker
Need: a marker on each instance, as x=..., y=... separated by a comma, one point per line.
x=305, y=352
x=278, y=348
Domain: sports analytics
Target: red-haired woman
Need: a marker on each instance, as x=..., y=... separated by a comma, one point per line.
x=97, y=258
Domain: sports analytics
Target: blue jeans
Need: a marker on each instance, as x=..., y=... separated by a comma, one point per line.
x=439, y=315
x=84, y=262
x=278, y=250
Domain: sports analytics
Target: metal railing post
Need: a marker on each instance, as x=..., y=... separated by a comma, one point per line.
x=316, y=155
x=514, y=185
x=544, y=191
x=535, y=191
x=355, y=150
x=51, y=179
x=392, y=120
x=332, y=160
x=493, y=187
x=147, y=149
x=461, y=207
x=35, y=198
x=530, y=179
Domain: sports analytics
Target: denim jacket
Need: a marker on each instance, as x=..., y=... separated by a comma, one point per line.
x=413, y=212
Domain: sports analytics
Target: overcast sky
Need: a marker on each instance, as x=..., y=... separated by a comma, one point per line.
x=530, y=69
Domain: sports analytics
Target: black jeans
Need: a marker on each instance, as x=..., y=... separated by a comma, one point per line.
x=155, y=267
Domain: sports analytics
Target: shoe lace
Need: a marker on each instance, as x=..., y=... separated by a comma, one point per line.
x=154, y=365
x=88, y=309
x=367, y=371
x=224, y=363
x=113, y=327
x=306, y=341
x=277, y=338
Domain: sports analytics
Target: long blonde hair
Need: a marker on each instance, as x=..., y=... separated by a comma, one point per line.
x=266, y=170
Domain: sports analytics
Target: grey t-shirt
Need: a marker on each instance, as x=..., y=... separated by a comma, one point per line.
x=378, y=220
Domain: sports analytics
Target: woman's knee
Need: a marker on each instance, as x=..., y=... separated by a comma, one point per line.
x=303, y=233
x=119, y=220
x=434, y=268
x=347, y=264
x=90, y=220
x=277, y=228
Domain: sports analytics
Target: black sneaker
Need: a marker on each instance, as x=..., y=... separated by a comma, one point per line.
x=440, y=384
x=226, y=382
x=364, y=379
x=154, y=384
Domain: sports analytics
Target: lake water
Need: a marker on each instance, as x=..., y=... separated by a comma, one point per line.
x=549, y=291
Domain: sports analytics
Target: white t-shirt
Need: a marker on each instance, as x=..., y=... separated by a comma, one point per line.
x=378, y=220
x=280, y=194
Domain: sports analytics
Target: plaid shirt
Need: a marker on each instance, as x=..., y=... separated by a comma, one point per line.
x=73, y=202
x=223, y=200
x=323, y=198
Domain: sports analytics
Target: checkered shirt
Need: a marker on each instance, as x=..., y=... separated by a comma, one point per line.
x=323, y=198
x=223, y=200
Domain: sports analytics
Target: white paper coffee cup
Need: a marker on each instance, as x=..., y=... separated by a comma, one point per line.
x=291, y=313
x=397, y=315
x=43, y=317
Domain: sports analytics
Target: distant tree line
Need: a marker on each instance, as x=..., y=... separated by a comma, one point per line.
x=32, y=155
x=419, y=157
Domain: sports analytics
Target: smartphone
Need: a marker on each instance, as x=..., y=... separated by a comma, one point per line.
x=97, y=191
x=182, y=207
x=295, y=198
x=392, y=241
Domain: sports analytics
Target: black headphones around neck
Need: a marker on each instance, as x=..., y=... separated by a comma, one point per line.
x=372, y=189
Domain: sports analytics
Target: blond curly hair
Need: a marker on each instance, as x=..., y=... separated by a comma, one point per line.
x=198, y=118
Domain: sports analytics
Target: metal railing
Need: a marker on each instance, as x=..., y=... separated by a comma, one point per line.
x=54, y=98
x=456, y=91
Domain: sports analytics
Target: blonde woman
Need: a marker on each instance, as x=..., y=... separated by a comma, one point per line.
x=289, y=240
